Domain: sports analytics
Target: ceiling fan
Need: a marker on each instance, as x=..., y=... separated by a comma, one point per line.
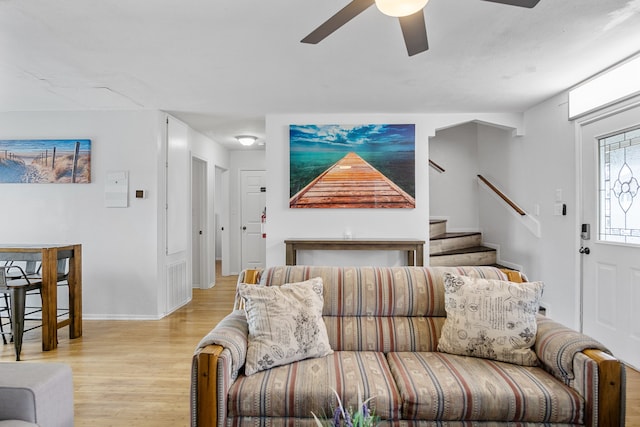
x=409, y=12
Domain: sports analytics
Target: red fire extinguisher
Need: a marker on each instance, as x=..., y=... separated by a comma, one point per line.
x=263, y=221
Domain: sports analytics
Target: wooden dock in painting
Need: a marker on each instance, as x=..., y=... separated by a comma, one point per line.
x=352, y=183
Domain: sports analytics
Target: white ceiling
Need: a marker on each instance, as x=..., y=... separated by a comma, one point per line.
x=221, y=65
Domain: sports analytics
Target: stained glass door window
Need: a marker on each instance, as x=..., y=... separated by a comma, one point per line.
x=620, y=187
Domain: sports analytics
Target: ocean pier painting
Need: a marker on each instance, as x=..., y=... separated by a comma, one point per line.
x=45, y=161
x=360, y=166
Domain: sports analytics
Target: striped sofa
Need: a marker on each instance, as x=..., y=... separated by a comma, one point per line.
x=383, y=325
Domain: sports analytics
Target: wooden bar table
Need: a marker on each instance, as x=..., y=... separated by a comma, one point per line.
x=49, y=255
x=414, y=248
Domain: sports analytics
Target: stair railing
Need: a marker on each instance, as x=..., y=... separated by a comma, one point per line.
x=502, y=195
x=436, y=166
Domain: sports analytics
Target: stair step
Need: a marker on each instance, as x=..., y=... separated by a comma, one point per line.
x=476, y=255
x=452, y=241
x=437, y=227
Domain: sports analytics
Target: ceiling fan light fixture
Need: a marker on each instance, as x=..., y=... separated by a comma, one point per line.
x=400, y=8
x=246, y=140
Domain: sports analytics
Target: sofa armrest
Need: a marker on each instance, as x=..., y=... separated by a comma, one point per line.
x=231, y=333
x=207, y=390
x=611, y=388
x=218, y=358
x=585, y=365
x=557, y=345
x=39, y=393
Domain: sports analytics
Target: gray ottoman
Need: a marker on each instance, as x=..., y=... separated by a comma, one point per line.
x=16, y=423
x=36, y=394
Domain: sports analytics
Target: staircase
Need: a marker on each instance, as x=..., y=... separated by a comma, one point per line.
x=451, y=249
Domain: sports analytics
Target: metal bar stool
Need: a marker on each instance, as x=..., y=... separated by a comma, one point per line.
x=16, y=289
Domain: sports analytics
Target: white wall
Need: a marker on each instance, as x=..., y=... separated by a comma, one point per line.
x=124, y=260
x=453, y=195
x=123, y=249
x=529, y=166
x=530, y=169
x=119, y=245
x=362, y=223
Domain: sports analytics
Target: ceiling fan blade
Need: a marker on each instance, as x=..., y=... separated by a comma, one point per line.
x=345, y=15
x=414, y=31
x=521, y=3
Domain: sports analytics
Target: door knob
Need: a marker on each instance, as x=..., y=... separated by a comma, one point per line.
x=584, y=250
x=244, y=228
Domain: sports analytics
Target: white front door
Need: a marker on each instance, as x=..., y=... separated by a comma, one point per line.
x=253, y=187
x=610, y=182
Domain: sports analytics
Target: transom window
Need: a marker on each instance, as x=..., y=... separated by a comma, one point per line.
x=620, y=187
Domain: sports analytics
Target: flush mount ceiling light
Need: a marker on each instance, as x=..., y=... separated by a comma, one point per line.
x=400, y=8
x=246, y=140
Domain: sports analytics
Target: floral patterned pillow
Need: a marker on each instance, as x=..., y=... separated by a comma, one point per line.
x=492, y=319
x=285, y=324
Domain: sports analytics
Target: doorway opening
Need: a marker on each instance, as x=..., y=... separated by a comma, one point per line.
x=221, y=221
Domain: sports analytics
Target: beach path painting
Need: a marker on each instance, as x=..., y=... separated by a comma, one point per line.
x=352, y=166
x=45, y=161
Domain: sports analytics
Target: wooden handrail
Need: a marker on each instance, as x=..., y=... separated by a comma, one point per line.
x=502, y=196
x=436, y=166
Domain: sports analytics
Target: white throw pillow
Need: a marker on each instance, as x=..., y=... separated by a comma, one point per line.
x=492, y=319
x=285, y=324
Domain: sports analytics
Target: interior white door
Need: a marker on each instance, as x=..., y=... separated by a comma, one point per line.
x=253, y=187
x=198, y=223
x=610, y=147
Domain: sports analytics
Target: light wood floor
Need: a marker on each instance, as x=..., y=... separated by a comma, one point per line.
x=136, y=373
